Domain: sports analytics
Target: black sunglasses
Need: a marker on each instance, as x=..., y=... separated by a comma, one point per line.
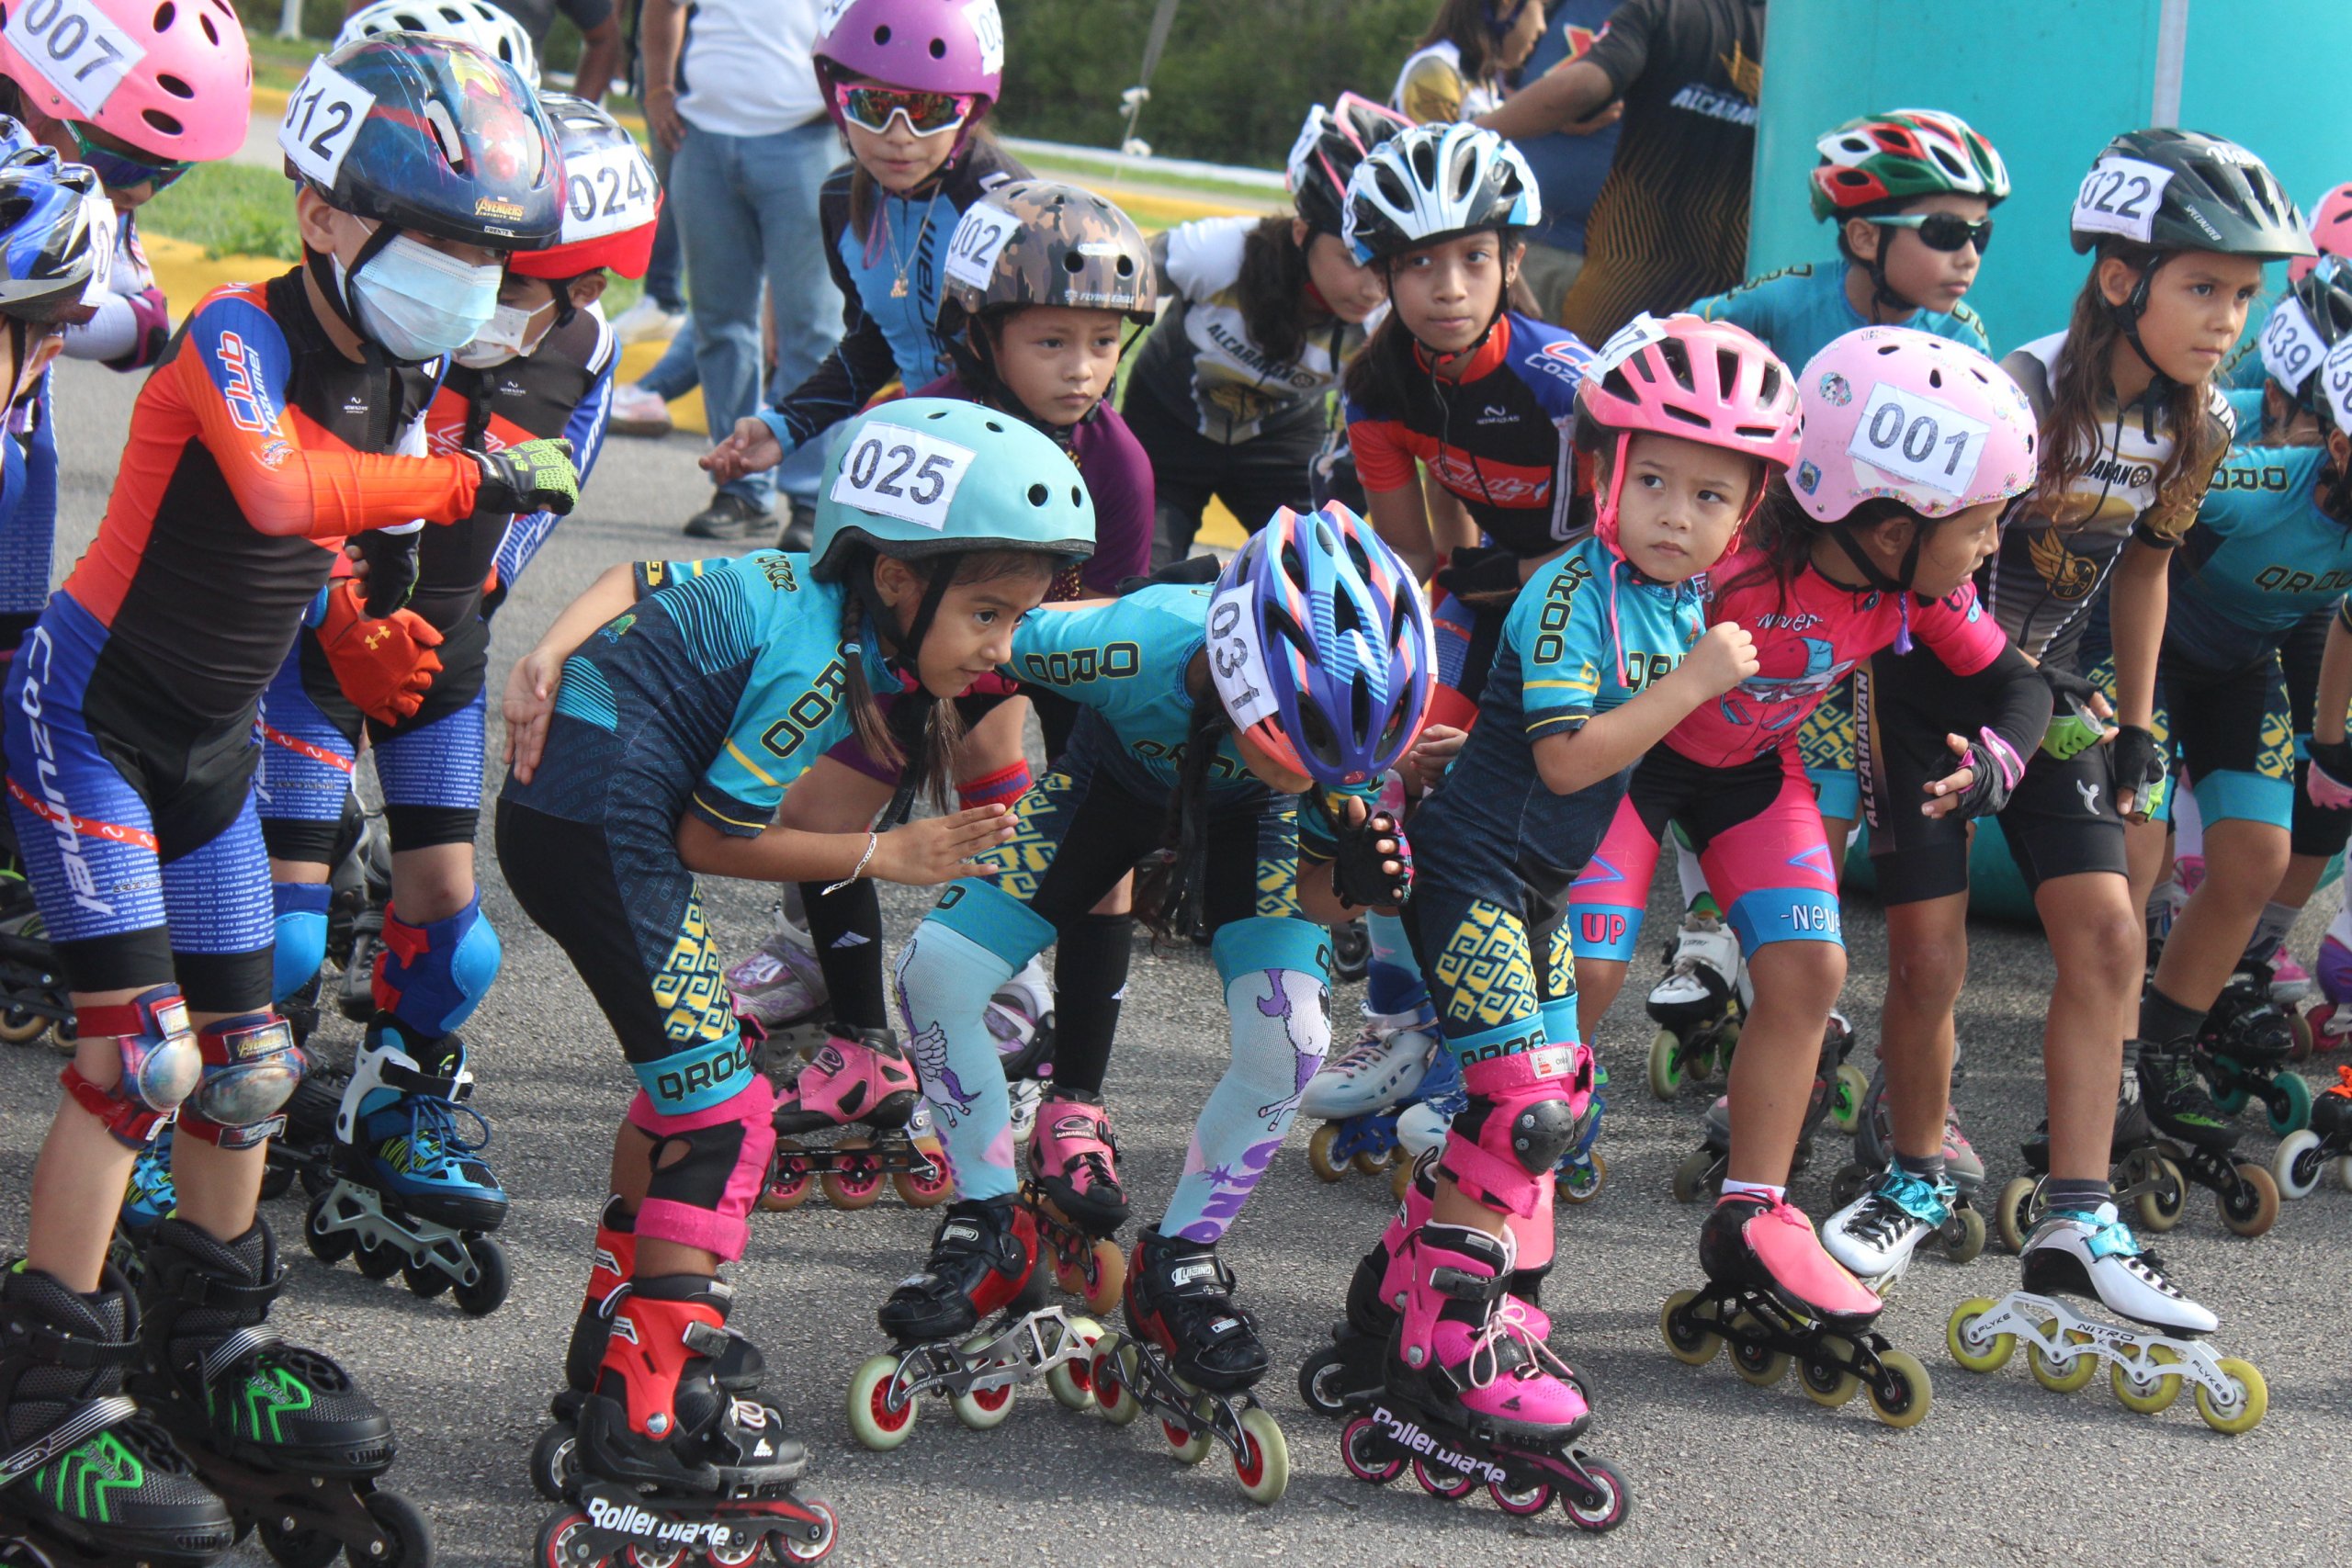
x=1943, y=230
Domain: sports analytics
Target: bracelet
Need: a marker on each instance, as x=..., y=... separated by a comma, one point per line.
x=873, y=839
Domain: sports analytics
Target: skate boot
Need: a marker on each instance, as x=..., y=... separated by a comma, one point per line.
x=1020, y=1016
x=147, y=1197
x=667, y=1456
x=2303, y=1157
x=1180, y=1298
x=32, y=982
x=2243, y=1050
x=1962, y=1231
x=2092, y=1256
x=1697, y=1005
x=1075, y=1195
x=866, y=1080
x=411, y=1195
x=86, y=1476
x=1877, y=1233
x=1422, y=1126
x=280, y=1432
x=1775, y=1294
x=982, y=1266
x=2290, y=983
x=781, y=983
x=2192, y=1133
x=1358, y=1096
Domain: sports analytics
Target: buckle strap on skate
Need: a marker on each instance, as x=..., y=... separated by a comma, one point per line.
x=67, y=1435
x=197, y=1288
x=705, y=1339
x=1196, y=1276
x=72, y=1352
x=246, y=1344
x=1461, y=1285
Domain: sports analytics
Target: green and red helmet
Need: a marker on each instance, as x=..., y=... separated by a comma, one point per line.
x=1883, y=160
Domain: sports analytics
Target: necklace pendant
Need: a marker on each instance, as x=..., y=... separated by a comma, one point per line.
x=898, y=287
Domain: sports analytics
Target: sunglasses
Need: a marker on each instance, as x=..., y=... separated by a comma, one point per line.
x=118, y=171
x=926, y=114
x=1943, y=230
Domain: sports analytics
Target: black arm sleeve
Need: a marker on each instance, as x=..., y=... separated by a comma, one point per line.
x=2017, y=699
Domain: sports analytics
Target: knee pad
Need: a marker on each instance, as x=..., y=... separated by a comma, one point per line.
x=251, y=1067
x=1520, y=1119
x=703, y=1196
x=433, y=977
x=162, y=1064
x=301, y=943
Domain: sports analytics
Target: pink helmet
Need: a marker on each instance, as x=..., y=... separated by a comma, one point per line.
x=931, y=46
x=1704, y=381
x=187, y=98
x=1896, y=412
x=2331, y=231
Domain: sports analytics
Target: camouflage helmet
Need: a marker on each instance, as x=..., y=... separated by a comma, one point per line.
x=1042, y=242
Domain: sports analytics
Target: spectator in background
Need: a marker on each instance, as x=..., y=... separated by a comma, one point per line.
x=1570, y=164
x=600, y=33
x=1458, y=69
x=1670, y=223
x=750, y=143
x=661, y=310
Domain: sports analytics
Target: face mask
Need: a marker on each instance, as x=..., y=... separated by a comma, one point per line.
x=508, y=336
x=418, y=303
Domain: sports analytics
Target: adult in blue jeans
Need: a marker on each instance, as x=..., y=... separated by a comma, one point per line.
x=735, y=100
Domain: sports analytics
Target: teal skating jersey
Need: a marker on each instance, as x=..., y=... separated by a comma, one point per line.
x=2245, y=402
x=1799, y=310
x=2261, y=557
x=1565, y=655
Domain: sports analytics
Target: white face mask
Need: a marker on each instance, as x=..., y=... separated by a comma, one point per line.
x=419, y=303
x=508, y=336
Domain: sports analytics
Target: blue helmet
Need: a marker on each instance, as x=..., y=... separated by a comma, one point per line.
x=1320, y=645
x=427, y=135
x=55, y=243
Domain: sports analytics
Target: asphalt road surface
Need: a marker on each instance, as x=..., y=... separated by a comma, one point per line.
x=2001, y=1472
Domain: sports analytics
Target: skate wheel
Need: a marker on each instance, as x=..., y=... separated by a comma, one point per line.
x=1534, y=1500
x=567, y=1541
x=1450, y=1485
x=1072, y=1382
x=1977, y=1352
x=857, y=1181
x=1102, y=1273
x=881, y=1415
x=2344, y=1173
x=2298, y=1027
x=21, y=1027
x=1695, y=1175
x=815, y=1539
x=554, y=1460
x=1108, y=1369
x=2226, y=1080
x=983, y=1409
x=2153, y=1393
x=1369, y=1164
x=2013, y=1213
x=636, y=1556
x=403, y=1538
x=1361, y=1451
x=277, y=1181
x=1847, y=1184
x=1666, y=1065
x=1264, y=1464
x=2246, y=1413
x=1758, y=1366
x=1605, y=1510
x=2290, y=1104
x=928, y=1186
x=735, y=1555
x=293, y=1546
x=2299, y=1164
x=1321, y=1378
x=1901, y=1396
x=1319, y=1153
x=1846, y=1097
x=1825, y=1381
x=1965, y=1244
x=1189, y=1442
x=1065, y=1277
x=488, y=1291
x=329, y=1247
x=2167, y=1197
x=2253, y=1209
x=424, y=1283
x=2070, y=1375
x=1582, y=1183
x=377, y=1260
x=1687, y=1335
x=788, y=1179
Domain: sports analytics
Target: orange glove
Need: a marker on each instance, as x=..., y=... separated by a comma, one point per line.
x=384, y=665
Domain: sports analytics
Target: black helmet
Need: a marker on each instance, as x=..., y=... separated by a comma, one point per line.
x=2183, y=190
x=1329, y=146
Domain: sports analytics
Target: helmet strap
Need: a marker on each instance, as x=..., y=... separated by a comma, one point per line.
x=1900, y=583
x=2126, y=317
x=322, y=265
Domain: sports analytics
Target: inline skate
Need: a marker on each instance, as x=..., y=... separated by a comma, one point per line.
x=671, y=1462
x=2094, y=1257
x=781, y=983
x=1697, y=1005
x=2303, y=1157
x=282, y=1434
x=2141, y=1174
x=1358, y=1096
x=1074, y=1197
x=1838, y=1087
x=866, y=1080
x=1189, y=1357
x=983, y=1262
x=33, y=996
x=2243, y=1049
x=1898, y=1216
x=1020, y=1016
x=2189, y=1133
x=1775, y=1294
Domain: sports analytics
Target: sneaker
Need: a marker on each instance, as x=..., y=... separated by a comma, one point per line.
x=2290, y=981
x=729, y=516
x=639, y=411
x=648, y=322
x=798, y=535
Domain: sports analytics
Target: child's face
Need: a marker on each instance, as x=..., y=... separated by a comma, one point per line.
x=1058, y=361
x=898, y=160
x=1263, y=767
x=1354, y=292
x=1446, y=293
x=1929, y=278
x=1518, y=39
x=1680, y=505
x=2197, y=307
x=972, y=633
x=1960, y=543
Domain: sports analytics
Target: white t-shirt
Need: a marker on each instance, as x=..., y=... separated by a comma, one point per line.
x=745, y=70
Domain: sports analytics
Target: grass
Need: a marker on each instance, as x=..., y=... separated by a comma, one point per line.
x=229, y=209
x=1253, y=198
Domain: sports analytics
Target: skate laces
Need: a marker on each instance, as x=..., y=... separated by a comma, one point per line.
x=1901, y=1199
x=2105, y=1235
x=433, y=1135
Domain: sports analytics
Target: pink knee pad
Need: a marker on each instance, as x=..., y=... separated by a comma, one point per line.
x=1521, y=1118
x=705, y=1198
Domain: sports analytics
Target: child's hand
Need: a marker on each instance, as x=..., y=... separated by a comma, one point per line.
x=750, y=448
x=1430, y=756
x=941, y=849
x=1722, y=659
x=529, y=704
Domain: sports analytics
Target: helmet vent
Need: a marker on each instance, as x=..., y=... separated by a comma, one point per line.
x=211, y=32
x=882, y=34
x=1768, y=390
x=1039, y=495
x=163, y=14
x=1076, y=496
x=1072, y=262
x=167, y=124
x=444, y=132
x=174, y=86
x=1936, y=377
x=936, y=413
x=994, y=428
x=939, y=49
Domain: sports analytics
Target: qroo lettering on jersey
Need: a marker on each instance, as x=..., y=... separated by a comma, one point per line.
x=2121, y=196
x=902, y=472
x=2290, y=580
x=322, y=119
x=38, y=658
x=75, y=49
x=807, y=711
x=2291, y=346
x=1919, y=438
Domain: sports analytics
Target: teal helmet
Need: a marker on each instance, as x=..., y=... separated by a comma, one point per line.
x=938, y=477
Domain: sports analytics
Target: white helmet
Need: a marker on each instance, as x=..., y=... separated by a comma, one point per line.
x=1434, y=181
x=476, y=22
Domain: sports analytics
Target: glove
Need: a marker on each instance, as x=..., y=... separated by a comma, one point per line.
x=384, y=664
x=1997, y=769
x=1360, y=875
x=2072, y=728
x=150, y=326
x=528, y=476
x=2325, y=781
x=1481, y=577
x=392, y=568
x=2139, y=765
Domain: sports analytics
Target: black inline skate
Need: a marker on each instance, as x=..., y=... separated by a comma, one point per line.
x=1698, y=1007
x=2142, y=1175
x=846, y=1082
x=1838, y=1089
x=1192, y=1357
x=2189, y=1130
x=2304, y=1157
x=670, y=1462
x=280, y=1432
x=2243, y=1049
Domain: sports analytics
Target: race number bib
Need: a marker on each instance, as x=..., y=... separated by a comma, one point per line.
x=988, y=27
x=2291, y=346
x=902, y=473
x=606, y=192
x=972, y=249
x=1919, y=439
x=1625, y=342
x=827, y=16
x=2335, y=375
x=105, y=230
x=2121, y=196
x=322, y=121
x=73, y=45
x=1249, y=696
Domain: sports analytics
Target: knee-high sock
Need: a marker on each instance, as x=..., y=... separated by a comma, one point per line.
x=1394, y=984
x=945, y=980
x=847, y=929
